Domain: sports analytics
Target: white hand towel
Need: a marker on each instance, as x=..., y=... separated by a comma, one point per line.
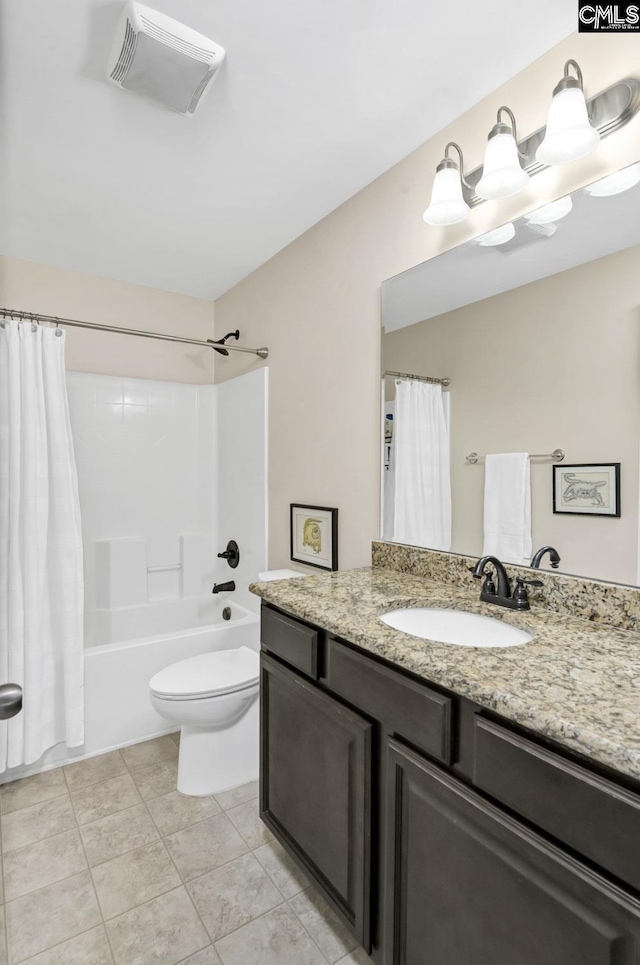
x=507, y=507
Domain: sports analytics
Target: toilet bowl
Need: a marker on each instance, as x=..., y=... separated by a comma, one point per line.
x=214, y=698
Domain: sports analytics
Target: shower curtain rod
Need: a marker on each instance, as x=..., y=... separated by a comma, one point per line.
x=418, y=378
x=262, y=353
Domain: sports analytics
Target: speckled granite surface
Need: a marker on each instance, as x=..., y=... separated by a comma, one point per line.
x=577, y=682
x=610, y=603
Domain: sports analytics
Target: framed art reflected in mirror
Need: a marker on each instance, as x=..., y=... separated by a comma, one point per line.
x=587, y=490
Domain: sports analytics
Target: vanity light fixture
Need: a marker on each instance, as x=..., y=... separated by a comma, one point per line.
x=497, y=236
x=574, y=128
x=569, y=135
x=615, y=183
x=447, y=205
x=550, y=213
x=502, y=172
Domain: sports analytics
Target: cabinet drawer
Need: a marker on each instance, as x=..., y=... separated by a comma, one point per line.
x=587, y=812
x=292, y=641
x=409, y=709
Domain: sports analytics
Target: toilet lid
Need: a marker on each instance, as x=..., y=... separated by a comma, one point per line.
x=220, y=672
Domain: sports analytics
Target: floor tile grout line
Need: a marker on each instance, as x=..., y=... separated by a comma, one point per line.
x=251, y=921
x=59, y=944
x=121, y=854
x=178, y=830
x=231, y=860
x=184, y=886
x=46, y=800
x=219, y=867
x=56, y=881
x=166, y=891
x=71, y=937
x=7, y=851
x=272, y=838
x=148, y=902
x=326, y=957
x=285, y=901
x=86, y=858
x=6, y=930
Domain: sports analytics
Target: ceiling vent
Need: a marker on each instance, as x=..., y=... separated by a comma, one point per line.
x=162, y=59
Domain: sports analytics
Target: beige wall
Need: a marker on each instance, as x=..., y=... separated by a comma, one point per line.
x=31, y=287
x=553, y=364
x=316, y=303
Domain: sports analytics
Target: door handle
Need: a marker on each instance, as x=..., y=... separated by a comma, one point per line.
x=10, y=700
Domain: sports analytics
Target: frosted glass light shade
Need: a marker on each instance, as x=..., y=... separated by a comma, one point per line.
x=497, y=236
x=550, y=213
x=447, y=205
x=615, y=183
x=569, y=135
x=502, y=174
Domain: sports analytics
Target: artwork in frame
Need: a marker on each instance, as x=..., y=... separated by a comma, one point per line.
x=589, y=489
x=314, y=536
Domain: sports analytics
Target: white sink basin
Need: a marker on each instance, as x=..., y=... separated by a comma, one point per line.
x=457, y=627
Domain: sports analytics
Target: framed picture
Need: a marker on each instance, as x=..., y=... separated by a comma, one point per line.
x=592, y=489
x=314, y=536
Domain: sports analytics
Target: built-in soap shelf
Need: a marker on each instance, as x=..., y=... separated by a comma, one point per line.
x=125, y=578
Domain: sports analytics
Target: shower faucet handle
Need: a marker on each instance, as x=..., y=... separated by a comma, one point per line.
x=231, y=554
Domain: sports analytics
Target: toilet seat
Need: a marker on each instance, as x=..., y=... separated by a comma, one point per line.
x=208, y=675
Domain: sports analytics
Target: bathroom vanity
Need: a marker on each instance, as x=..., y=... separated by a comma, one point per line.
x=455, y=806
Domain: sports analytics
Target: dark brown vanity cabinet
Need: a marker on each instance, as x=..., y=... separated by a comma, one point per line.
x=443, y=835
x=315, y=790
x=469, y=885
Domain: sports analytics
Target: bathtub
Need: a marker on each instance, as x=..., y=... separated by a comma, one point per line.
x=118, y=711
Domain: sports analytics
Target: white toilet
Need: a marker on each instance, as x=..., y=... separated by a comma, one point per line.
x=215, y=699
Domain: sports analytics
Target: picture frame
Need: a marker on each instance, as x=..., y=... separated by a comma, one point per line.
x=587, y=489
x=314, y=535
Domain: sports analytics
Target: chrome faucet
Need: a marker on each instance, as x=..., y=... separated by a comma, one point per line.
x=502, y=596
x=554, y=557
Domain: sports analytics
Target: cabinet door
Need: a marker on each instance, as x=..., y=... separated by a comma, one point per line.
x=315, y=787
x=468, y=885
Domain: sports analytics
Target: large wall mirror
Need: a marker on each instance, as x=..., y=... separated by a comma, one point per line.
x=525, y=342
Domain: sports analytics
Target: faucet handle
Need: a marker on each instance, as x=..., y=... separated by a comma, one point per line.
x=488, y=586
x=520, y=594
x=523, y=581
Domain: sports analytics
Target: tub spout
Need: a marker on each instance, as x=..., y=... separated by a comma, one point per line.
x=223, y=587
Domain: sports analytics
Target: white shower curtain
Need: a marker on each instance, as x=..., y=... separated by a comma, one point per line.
x=41, y=577
x=421, y=466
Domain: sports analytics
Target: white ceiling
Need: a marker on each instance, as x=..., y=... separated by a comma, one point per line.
x=316, y=99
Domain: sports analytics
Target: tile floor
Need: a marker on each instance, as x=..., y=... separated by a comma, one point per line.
x=104, y=862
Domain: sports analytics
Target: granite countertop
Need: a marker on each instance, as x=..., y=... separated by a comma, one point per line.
x=575, y=682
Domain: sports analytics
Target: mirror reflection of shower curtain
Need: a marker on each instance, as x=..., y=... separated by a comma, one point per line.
x=41, y=578
x=417, y=484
